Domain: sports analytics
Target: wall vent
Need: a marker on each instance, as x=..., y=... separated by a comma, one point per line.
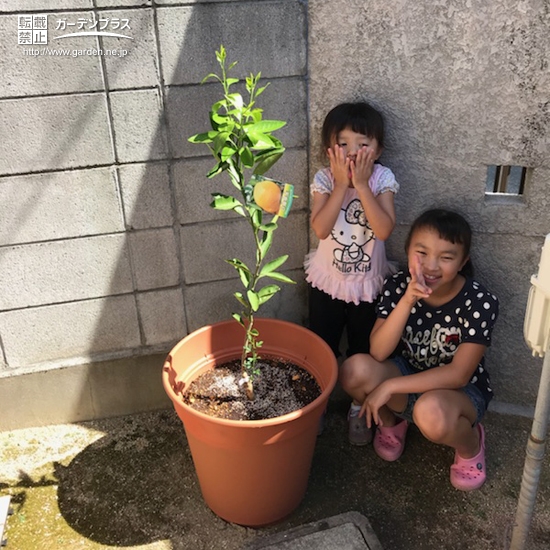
x=509, y=180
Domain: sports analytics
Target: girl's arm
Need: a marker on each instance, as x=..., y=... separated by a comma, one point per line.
x=452, y=376
x=380, y=210
x=326, y=208
x=386, y=333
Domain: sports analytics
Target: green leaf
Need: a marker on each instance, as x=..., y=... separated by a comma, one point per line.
x=224, y=202
x=256, y=114
x=245, y=276
x=267, y=161
x=247, y=157
x=258, y=140
x=273, y=265
x=220, y=167
x=267, y=292
x=227, y=152
x=221, y=54
x=209, y=76
x=223, y=124
x=205, y=137
x=251, y=206
x=218, y=119
x=265, y=245
x=254, y=300
x=238, y=318
x=242, y=269
x=261, y=90
x=268, y=227
x=240, y=298
x=256, y=215
x=278, y=144
x=235, y=176
x=238, y=264
x=266, y=126
x=280, y=277
x=251, y=82
x=219, y=140
x=236, y=100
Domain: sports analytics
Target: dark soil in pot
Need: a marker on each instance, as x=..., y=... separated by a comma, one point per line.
x=280, y=388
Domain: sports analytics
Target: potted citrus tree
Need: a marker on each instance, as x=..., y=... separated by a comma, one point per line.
x=251, y=472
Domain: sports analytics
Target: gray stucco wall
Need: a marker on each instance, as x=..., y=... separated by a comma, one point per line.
x=107, y=245
x=462, y=85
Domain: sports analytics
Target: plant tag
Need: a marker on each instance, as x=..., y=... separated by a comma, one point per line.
x=286, y=199
x=272, y=196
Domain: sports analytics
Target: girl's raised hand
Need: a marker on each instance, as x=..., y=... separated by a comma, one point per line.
x=362, y=167
x=339, y=165
x=417, y=288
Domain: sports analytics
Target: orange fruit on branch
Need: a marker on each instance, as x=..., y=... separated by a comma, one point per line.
x=267, y=195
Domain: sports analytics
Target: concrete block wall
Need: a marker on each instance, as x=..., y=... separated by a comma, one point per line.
x=108, y=248
x=462, y=85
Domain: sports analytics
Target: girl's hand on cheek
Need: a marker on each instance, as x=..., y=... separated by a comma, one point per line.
x=362, y=167
x=339, y=165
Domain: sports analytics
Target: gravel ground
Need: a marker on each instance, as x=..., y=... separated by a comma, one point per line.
x=129, y=483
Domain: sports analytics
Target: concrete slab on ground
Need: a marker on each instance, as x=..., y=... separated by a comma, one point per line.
x=349, y=531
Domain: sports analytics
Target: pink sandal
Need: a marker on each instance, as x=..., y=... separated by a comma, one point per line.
x=468, y=474
x=389, y=443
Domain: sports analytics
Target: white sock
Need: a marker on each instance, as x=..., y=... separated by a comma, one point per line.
x=354, y=409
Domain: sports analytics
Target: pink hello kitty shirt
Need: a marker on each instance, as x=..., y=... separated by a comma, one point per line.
x=351, y=263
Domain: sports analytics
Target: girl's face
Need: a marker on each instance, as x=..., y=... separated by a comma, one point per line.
x=440, y=260
x=352, y=142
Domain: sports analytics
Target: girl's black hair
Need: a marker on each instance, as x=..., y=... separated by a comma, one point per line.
x=360, y=117
x=451, y=227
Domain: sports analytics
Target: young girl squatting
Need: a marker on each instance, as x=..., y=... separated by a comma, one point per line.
x=443, y=320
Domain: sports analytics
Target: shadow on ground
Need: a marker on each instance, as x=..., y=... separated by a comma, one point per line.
x=134, y=486
x=125, y=489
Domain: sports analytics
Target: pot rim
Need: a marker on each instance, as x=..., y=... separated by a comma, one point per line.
x=323, y=397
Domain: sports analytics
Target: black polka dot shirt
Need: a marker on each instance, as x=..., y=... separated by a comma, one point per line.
x=432, y=334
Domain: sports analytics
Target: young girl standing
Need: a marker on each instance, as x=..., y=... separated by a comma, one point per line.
x=352, y=215
x=444, y=320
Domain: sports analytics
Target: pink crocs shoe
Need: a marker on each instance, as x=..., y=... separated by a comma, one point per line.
x=468, y=474
x=389, y=443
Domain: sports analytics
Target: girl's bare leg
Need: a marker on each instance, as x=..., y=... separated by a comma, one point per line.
x=446, y=417
x=360, y=374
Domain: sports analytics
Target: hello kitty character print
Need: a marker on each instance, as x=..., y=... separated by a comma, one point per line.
x=432, y=335
x=351, y=264
x=352, y=232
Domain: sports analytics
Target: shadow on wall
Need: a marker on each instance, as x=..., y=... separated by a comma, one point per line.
x=158, y=197
x=129, y=506
x=174, y=240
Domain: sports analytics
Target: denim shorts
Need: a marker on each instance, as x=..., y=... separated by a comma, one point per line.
x=472, y=392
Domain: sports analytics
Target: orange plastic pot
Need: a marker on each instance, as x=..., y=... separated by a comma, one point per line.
x=251, y=472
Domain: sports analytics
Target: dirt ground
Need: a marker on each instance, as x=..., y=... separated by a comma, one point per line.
x=129, y=482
